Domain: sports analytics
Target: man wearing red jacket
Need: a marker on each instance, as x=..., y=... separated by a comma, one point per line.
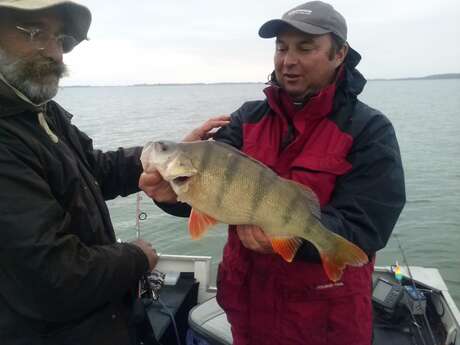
x=311, y=128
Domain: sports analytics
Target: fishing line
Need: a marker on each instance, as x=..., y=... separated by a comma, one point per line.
x=140, y=215
x=170, y=314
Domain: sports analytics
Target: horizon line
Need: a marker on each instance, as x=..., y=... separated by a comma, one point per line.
x=428, y=77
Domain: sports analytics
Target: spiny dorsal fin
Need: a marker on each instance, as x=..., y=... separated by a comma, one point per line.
x=238, y=152
x=310, y=195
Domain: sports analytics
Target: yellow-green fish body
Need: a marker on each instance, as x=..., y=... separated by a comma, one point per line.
x=224, y=185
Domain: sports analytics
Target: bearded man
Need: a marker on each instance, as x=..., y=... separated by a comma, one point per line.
x=63, y=277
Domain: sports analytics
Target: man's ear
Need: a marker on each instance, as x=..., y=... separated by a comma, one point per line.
x=341, y=55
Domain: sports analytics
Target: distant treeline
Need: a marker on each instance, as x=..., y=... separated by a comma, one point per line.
x=429, y=77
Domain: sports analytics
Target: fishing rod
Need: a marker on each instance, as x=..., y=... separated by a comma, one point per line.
x=417, y=295
x=140, y=215
x=151, y=283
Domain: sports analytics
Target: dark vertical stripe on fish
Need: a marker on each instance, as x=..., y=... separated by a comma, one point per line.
x=206, y=158
x=296, y=200
x=230, y=172
x=262, y=188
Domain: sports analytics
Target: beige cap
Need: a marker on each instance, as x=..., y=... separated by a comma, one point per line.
x=77, y=18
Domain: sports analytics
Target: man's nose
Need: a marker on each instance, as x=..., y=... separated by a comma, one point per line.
x=290, y=58
x=53, y=50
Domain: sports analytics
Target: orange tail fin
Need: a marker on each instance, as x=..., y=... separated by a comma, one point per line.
x=199, y=223
x=340, y=254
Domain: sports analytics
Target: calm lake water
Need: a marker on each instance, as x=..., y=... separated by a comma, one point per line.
x=426, y=116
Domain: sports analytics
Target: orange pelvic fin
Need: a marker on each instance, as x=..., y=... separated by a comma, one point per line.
x=286, y=247
x=344, y=253
x=199, y=223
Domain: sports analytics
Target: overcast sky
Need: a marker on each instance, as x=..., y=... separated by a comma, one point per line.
x=187, y=41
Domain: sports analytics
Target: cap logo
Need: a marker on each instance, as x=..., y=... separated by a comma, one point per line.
x=292, y=13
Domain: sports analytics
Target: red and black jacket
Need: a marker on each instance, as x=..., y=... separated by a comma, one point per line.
x=368, y=194
x=355, y=143
x=348, y=154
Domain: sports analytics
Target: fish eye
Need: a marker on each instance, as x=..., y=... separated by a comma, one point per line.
x=163, y=146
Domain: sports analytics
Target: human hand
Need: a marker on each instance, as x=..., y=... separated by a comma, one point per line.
x=205, y=131
x=149, y=252
x=153, y=184
x=254, y=238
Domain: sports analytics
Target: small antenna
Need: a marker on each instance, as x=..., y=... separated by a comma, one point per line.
x=405, y=261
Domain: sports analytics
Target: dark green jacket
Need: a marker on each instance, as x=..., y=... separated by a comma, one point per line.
x=63, y=277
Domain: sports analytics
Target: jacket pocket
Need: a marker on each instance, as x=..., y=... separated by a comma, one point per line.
x=330, y=164
x=319, y=173
x=267, y=154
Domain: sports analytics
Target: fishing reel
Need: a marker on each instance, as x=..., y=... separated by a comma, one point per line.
x=151, y=284
x=149, y=291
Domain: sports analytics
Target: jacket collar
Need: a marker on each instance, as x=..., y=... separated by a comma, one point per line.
x=318, y=106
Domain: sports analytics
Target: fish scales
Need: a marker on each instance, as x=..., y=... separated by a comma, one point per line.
x=224, y=185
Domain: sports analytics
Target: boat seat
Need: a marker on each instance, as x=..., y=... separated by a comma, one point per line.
x=209, y=321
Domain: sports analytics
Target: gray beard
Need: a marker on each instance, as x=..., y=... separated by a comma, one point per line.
x=37, y=77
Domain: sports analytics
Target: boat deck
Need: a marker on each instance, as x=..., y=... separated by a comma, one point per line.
x=436, y=327
x=439, y=324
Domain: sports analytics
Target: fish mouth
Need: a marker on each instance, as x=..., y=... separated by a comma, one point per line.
x=181, y=180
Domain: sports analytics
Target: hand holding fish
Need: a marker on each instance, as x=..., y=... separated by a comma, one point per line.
x=153, y=184
x=206, y=130
x=254, y=238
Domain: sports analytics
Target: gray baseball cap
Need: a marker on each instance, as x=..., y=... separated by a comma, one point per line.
x=76, y=17
x=314, y=17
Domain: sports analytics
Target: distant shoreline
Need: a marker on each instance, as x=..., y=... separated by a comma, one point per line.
x=429, y=77
x=168, y=84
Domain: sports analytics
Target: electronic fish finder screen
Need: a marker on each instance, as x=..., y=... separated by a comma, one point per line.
x=381, y=290
x=386, y=294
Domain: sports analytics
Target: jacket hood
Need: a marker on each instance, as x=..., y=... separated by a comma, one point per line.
x=353, y=81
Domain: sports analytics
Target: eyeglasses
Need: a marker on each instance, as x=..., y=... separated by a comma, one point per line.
x=41, y=38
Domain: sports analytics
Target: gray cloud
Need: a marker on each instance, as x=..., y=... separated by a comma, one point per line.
x=211, y=41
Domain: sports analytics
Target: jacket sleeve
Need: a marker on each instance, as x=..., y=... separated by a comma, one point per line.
x=117, y=172
x=368, y=200
x=46, y=272
x=232, y=134
x=178, y=209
